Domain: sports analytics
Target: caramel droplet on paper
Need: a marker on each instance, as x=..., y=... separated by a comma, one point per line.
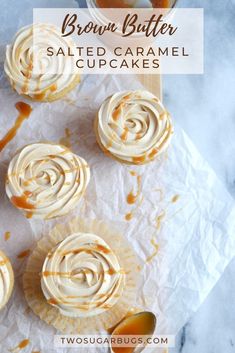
x=24, y=112
x=23, y=254
x=133, y=173
x=21, y=345
x=131, y=198
x=128, y=216
x=7, y=235
x=175, y=198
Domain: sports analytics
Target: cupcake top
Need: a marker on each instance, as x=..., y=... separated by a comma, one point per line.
x=30, y=70
x=6, y=279
x=81, y=276
x=46, y=180
x=133, y=126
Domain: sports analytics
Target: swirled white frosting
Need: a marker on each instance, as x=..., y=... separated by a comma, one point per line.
x=30, y=70
x=46, y=180
x=134, y=126
x=5, y=280
x=82, y=276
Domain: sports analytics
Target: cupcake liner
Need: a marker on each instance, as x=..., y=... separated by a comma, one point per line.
x=51, y=315
x=7, y=263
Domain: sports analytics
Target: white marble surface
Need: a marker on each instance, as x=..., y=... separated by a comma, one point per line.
x=205, y=107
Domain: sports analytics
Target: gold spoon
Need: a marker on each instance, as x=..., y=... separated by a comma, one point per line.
x=140, y=324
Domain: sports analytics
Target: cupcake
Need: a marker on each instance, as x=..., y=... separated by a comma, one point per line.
x=34, y=74
x=81, y=278
x=6, y=279
x=46, y=180
x=133, y=127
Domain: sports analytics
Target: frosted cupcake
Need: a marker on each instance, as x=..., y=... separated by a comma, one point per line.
x=82, y=277
x=32, y=72
x=46, y=180
x=133, y=127
x=6, y=279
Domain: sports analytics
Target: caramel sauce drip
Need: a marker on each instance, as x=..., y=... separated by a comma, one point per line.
x=153, y=153
x=7, y=235
x=123, y=4
x=22, y=201
x=23, y=254
x=24, y=110
x=52, y=301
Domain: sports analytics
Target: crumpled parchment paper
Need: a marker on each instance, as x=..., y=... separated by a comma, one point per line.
x=182, y=228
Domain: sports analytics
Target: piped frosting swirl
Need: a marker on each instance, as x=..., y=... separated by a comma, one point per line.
x=82, y=276
x=30, y=70
x=46, y=180
x=133, y=126
x=6, y=276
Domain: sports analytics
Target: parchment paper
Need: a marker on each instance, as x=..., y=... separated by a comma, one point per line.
x=185, y=210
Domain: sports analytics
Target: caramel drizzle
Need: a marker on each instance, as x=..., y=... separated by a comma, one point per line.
x=155, y=151
x=132, y=198
x=97, y=247
x=156, y=247
x=24, y=112
x=110, y=272
x=84, y=306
